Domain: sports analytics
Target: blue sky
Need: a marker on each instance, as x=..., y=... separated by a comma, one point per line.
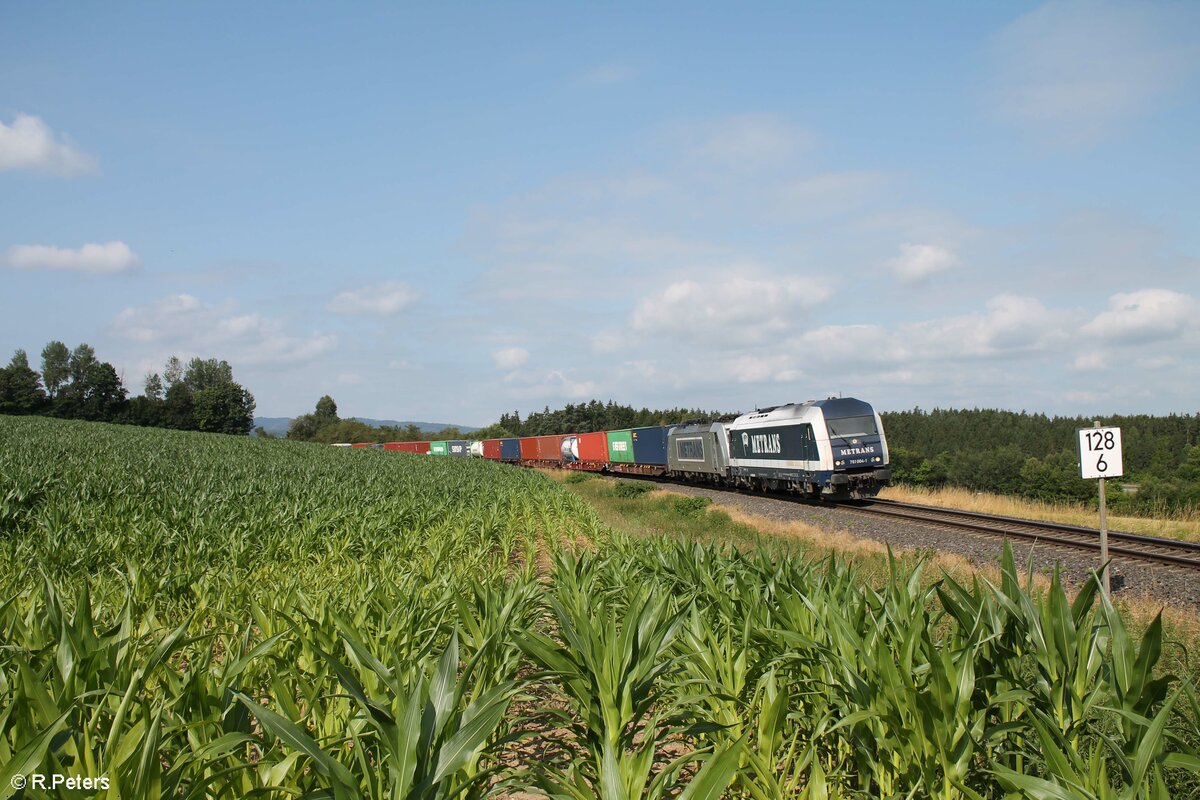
x=446, y=212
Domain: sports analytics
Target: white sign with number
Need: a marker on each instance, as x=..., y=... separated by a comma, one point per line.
x=1100, y=453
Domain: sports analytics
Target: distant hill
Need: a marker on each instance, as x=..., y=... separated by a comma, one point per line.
x=278, y=426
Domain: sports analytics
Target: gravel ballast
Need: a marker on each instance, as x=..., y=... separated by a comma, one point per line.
x=1131, y=579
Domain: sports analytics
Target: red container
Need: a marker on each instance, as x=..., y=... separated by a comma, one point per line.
x=491, y=449
x=420, y=447
x=593, y=447
x=529, y=451
x=549, y=448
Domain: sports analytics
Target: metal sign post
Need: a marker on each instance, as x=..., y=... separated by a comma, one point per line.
x=1100, y=457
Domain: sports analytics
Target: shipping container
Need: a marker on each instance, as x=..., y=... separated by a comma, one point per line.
x=459, y=447
x=407, y=447
x=528, y=448
x=549, y=448
x=510, y=449
x=586, y=450
x=593, y=447
x=649, y=445
x=476, y=449
x=491, y=449
x=438, y=449
x=620, y=447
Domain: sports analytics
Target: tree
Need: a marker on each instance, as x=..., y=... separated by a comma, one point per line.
x=218, y=403
x=224, y=408
x=304, y=427
x=20, y=387
x=154, y=386
x=103, y=396
x=326, y=410
x=55, y=372
x=79, y=365
x=178, y=408
x=204, y=373
x=173, y=372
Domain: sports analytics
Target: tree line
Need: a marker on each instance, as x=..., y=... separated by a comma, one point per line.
x=73, y=384
x=325, y=426
x=1035, y=456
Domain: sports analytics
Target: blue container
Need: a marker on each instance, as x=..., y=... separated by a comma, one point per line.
x=510, y=449
x=649, y=445
x=458, y=447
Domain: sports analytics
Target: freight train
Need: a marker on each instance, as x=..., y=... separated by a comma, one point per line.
x=831, y=449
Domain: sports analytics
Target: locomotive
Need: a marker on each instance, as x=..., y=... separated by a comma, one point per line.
x=831, y=449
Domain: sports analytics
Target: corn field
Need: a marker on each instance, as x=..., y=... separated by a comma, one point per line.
x=199, y=616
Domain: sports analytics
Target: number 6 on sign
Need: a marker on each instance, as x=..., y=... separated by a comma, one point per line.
x=1100, y=453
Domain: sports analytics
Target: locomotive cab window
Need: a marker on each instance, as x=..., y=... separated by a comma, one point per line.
x=852, y=426
x=690, y=449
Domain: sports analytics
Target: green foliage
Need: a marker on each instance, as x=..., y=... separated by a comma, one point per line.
x=632, y=488
x=20, y=388
x=1035, y=456
x=596, y=416
x=219, y=617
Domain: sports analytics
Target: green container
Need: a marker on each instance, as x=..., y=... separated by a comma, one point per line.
x=438, y=449
x=620, y=447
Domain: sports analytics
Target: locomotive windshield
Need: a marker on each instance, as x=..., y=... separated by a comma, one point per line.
x=852, y=426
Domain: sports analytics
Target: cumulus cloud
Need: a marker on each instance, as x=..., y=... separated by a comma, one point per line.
x=744, y=308
x=510, y=357
x=917, y=262
x=1009, y=325
x=384, y=299
x=1146, y=315
x=1076, y=70
x=185, y=323
x=104, y=258
x=29, y=144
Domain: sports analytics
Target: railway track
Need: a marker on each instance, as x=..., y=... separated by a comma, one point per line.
x=1166, y=552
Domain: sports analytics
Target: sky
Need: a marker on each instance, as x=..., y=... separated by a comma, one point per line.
x=448, y=211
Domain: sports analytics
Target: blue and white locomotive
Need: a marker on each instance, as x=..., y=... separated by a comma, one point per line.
x=832, y=449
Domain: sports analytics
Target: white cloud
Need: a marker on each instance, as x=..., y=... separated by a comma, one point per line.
x=29, y=144
x=830, y=192
x=1090, y=362
x=104, y=258
x=383, y=299
x=510, y=357
x=917, y=262
x=750, y=140
x=555, y=383
x=753, y=368
x=1010, y=325
x=1076, y=70
x=1144, y=316
x=349, y=379
x=184, y=323
x=729, y=307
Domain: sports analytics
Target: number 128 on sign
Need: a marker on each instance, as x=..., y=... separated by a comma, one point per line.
x=1100, y=453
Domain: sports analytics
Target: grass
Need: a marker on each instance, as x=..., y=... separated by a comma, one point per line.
x=1186, y=528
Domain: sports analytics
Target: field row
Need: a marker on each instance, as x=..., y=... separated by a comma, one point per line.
x=211, y=617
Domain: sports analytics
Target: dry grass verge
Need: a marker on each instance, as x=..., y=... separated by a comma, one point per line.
x=1187, y=527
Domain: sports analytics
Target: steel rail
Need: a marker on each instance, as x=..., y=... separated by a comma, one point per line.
x=1154, y=549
